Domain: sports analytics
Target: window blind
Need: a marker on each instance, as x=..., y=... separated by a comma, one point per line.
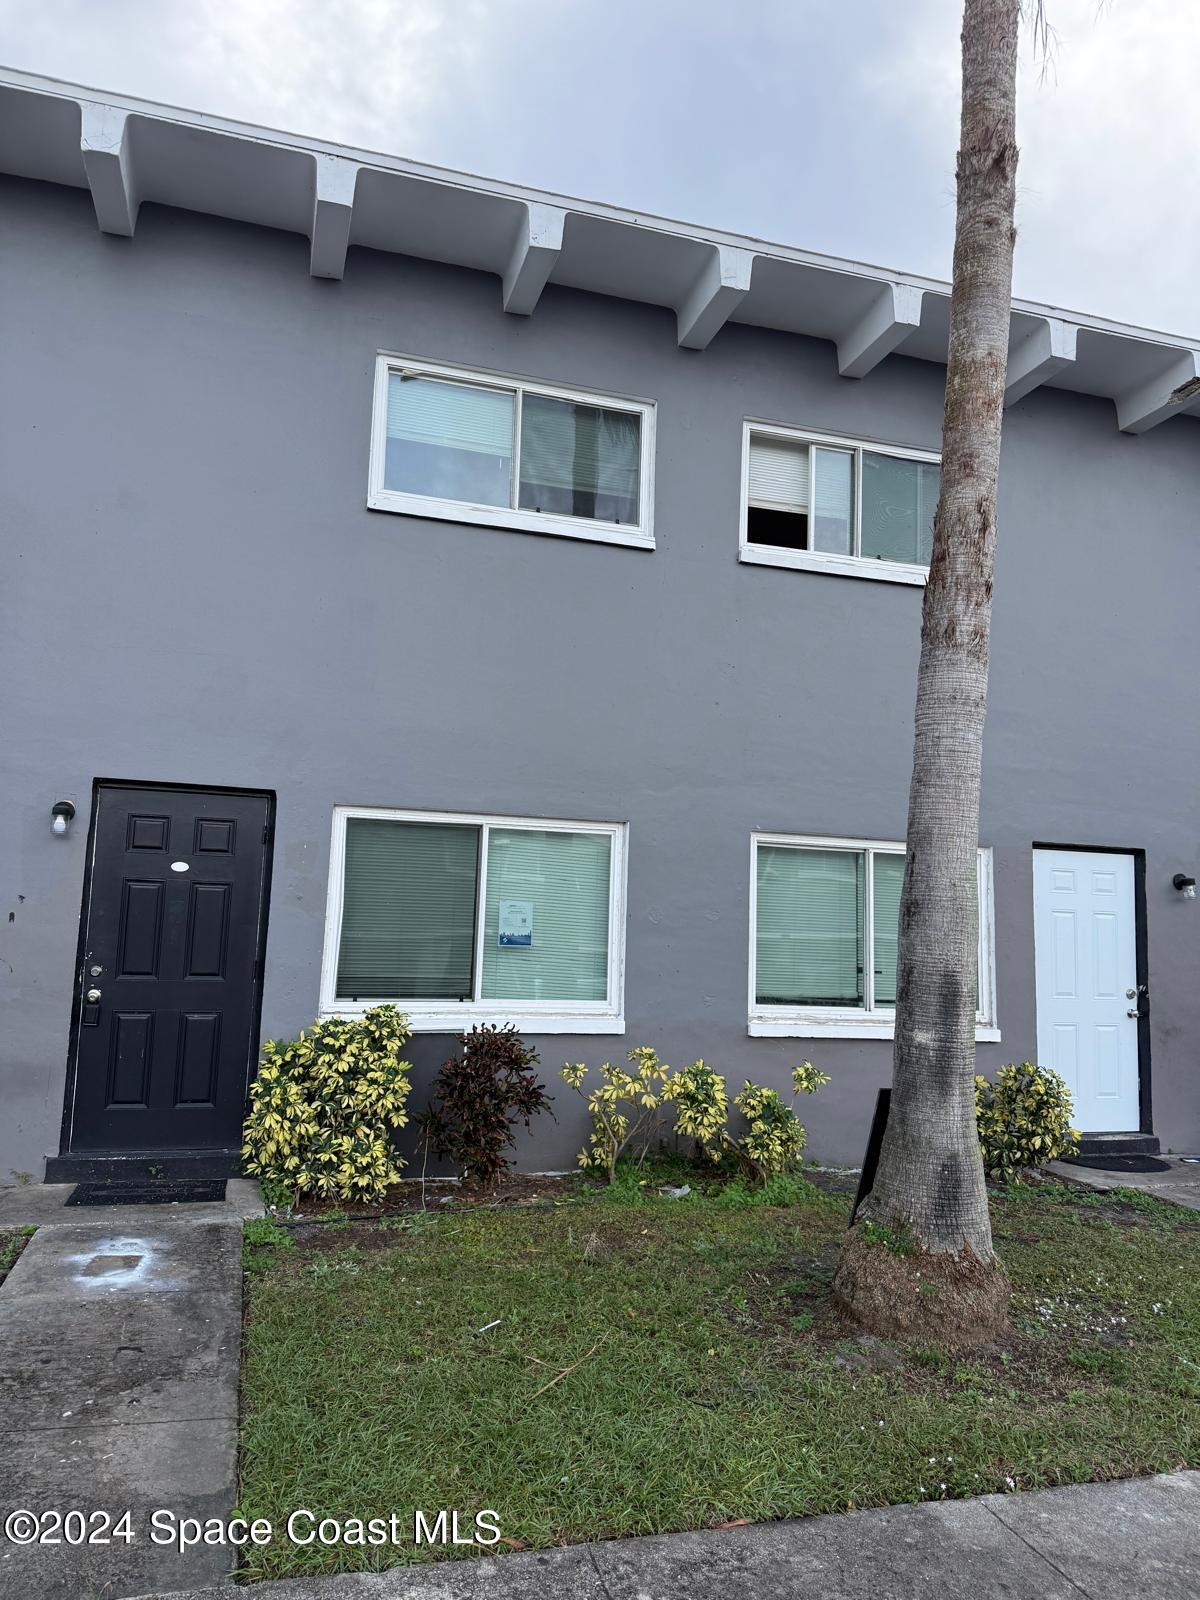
x=778, y=473
x=809, y=933
x=408, y=911
x=579, y=460
x=565, y=879
x=833, y=501
x=449, y=440
x=887, y=878
x=899, y=499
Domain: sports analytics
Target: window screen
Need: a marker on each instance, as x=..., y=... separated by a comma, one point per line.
x=579, y=460
x=899, y=499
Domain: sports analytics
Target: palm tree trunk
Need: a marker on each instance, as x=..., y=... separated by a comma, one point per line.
x=930, y=1183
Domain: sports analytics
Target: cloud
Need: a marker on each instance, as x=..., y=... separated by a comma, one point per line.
x=1109, y=129
x=830, y=124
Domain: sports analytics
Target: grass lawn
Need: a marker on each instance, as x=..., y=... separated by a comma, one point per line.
x=677, y=1364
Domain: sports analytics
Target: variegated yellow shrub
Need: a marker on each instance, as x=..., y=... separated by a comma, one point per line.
x=774, y=1135
x=1024, y=1120
x=630, y=1109
x=324, y=1106
x=624, y=1108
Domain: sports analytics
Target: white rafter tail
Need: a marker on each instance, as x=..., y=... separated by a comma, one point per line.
x=333, y=212
x=1042, y=353
x=1162, y=396
x=108, y=163
x=723, y=283
x=883, y=327
x=539, y=240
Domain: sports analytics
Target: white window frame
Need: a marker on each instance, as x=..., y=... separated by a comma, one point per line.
x=450, y=1016
x=851, y=566
x=517, y=518
x=866, y=1021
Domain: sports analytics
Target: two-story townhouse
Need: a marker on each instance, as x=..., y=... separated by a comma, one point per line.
x=419, y=588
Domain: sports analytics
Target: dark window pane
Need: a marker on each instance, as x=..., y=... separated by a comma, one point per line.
x=788, y=530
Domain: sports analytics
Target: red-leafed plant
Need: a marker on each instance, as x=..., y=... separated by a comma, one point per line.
x=478, y=1099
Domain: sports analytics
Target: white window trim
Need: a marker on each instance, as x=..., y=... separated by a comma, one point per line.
x=766, y=555
x=854, y=1022
x=447, y=1016
x=519, y=519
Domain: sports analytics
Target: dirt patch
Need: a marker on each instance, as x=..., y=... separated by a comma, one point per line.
x=955, y=1302
x=830, y=1182
x=515, y=1189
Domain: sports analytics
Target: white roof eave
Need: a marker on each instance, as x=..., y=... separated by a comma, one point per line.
x=129, y=151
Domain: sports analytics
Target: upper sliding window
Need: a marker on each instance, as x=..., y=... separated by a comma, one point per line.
x=472, y=447
x=824, y=927
x=461, y=919
x=837, y=506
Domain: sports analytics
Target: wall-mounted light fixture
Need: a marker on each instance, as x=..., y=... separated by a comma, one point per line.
x=1185, y=885
x=62, y=811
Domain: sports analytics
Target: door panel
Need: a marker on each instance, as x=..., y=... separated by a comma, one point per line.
x=1085, y=939
x=173, y=928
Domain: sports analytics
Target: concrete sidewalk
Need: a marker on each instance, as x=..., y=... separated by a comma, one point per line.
x=120, y=1339
x=1180, y=1183
x=1103, y=1541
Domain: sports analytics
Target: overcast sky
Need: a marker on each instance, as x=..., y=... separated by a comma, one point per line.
x=829, y=124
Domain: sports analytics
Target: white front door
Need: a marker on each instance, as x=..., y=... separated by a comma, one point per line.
x=1086, y=964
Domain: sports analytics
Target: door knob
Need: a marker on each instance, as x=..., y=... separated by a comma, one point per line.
x=93, y=995
x=1133, y=1012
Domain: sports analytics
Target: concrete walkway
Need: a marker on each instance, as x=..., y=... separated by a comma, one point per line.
x=1108, y=1541
x=120, y=1333
x=1180, y=1183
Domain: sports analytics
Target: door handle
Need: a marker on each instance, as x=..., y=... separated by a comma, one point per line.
x=1133, y=1012
x=92, y=996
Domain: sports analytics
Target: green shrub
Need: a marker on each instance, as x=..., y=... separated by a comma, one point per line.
x=1024, y=1120
x=324, y=1105
x=774, y=1135
x=479, y=1096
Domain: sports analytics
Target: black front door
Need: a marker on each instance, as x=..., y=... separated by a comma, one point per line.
x=173, y=925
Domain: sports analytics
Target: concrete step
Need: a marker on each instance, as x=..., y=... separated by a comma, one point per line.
x=122, y=1166
x=1118, y=1144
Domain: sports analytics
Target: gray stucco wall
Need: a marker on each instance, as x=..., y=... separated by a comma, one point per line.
x=194, y=592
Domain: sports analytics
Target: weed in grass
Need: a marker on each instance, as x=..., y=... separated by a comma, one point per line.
x=262, y=1243
x=900, y=1244
x=784, y=1189
x=929, y=1356
x=11, y=1245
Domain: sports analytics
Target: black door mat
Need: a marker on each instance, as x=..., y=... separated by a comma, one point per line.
x=1120, y=1163
x=169, y=1192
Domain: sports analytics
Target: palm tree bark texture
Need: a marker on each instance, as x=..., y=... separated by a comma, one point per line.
x=920, y=1262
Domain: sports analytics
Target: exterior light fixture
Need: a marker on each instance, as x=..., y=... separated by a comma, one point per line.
x=62, y=811
x=1185, y=885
